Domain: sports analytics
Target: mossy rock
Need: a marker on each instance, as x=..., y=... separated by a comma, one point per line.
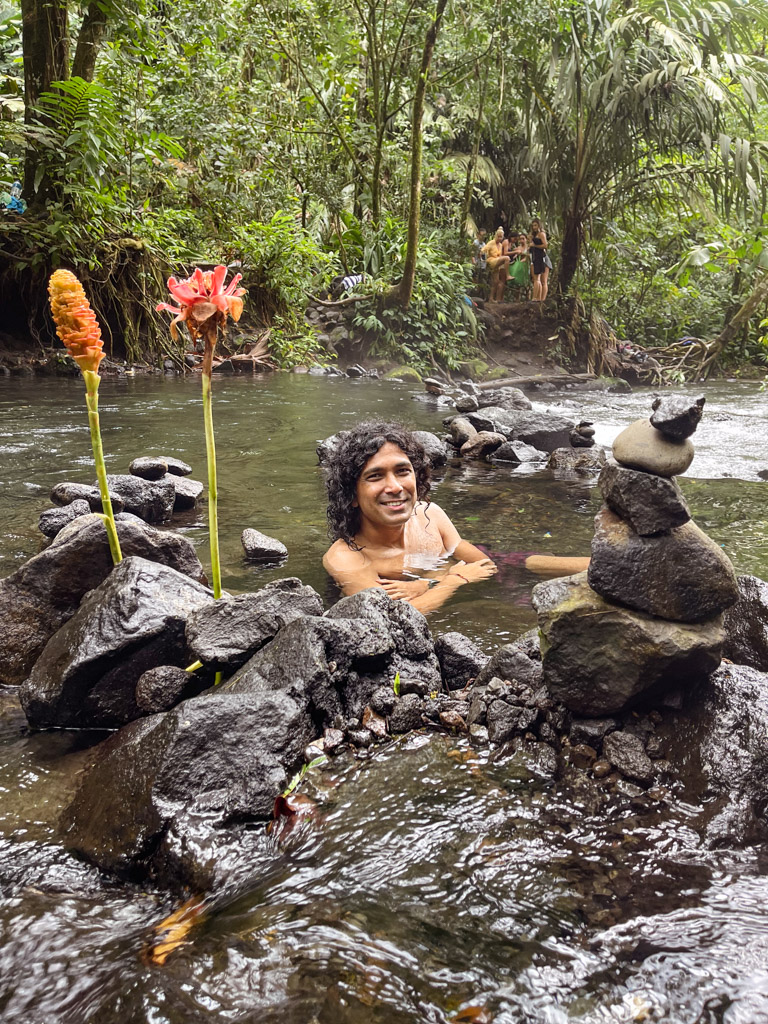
x=498, y=373
x=403, y=373
x=616, y=384
x=474, y=368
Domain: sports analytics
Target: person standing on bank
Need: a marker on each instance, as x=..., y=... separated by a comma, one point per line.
x=498, y=265
x=540, y=261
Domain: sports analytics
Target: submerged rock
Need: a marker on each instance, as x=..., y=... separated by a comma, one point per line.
x=228, y=632
x=627, y=754
x=681, y=575
x=87, y=674
x=37, y=599
x=598, y=658
x=746, y=625
x=577, y=460
x=260, y=548
x=649, y=503
x=642, y=446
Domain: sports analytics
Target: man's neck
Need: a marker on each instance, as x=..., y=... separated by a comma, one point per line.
x=381, y=537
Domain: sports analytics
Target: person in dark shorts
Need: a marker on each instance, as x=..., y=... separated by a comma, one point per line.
x=540, y=261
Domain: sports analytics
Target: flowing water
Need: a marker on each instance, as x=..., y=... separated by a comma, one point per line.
x=436, y=878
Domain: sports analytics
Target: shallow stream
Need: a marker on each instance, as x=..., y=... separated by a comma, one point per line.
x=435, y=879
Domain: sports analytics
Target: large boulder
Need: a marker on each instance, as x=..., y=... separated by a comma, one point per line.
x=150, y=500
x=461, y=430
x=642, y=446
x=518, y=452
x=577, y=460
x=165, y=794
x=598, y=657
x=544, y=431
x=45, y=592
x=746, y=625
x=483, y=444
x=649, y=503
x=87, y=674
x=228, y=632
x=681, y=575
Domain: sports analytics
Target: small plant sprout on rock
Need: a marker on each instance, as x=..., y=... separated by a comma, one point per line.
x=78, y=329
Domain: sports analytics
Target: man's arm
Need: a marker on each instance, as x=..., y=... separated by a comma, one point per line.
x=351, y=569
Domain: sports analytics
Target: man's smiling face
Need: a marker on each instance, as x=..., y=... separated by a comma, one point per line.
x=386, y=489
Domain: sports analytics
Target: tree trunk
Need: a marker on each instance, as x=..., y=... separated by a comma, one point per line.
x=405, y=288
x=466, y=200
x=45, y=43
x=573, y=235
x=715, y=349
x=93, y=31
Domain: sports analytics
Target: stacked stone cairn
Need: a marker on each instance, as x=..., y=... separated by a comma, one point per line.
x=647, y=615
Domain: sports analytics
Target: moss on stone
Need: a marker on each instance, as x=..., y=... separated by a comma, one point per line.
x=403, y=373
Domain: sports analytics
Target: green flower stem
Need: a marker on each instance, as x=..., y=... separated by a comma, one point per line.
x=210, y=450
x=92, y=381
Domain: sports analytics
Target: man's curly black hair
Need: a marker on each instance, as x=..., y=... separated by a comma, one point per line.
x=345, y=464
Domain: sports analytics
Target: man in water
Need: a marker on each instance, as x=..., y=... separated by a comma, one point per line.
x=382, y=522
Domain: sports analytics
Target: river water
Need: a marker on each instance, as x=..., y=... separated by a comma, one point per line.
x=436, y=879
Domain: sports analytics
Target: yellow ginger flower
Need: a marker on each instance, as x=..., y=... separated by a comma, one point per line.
x=76, y=323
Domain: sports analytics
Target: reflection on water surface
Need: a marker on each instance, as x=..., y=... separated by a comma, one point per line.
x=437, y=879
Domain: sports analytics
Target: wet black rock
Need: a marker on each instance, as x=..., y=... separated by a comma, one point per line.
x=65, y=493
x=649, y=503
x=176, y=467
x=168, y=797
x=151, y=500
x=148, y=468
x=228, y=632
x=746, y=625
x=407, y=714
x=582, y=756
x=518, y=452
x=360, y=737
x=187, y=492
x=407, y=626
x=45, y=592
x=53, y=520
x=509, y=662
x=676, y=416
x=577, y=460
x=460, y=659
x=355, y=370
x=161, y=688
x=226, y=366
x=682, y=575
x=627, y=754
x=437, y=451
x=87, y=674
x=412, y=684
x=591, y=730
x=383, y=700
x=259, y=547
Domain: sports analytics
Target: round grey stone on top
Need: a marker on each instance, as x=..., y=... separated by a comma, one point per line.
x=259, y=547
x=148, y=468
x=642, y=446
x=677, y=416
x=176, y=467
x=65, y=493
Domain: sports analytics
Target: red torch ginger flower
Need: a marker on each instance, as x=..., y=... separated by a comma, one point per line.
x=76, y=323
x=202, y=297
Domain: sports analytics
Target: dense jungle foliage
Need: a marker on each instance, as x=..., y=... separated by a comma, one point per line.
x=311, y=138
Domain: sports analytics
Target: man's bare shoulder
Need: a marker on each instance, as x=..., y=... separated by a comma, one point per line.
x=341, y=557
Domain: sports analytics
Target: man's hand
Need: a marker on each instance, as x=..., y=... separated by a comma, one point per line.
x=473, y=572
x=404, y=589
